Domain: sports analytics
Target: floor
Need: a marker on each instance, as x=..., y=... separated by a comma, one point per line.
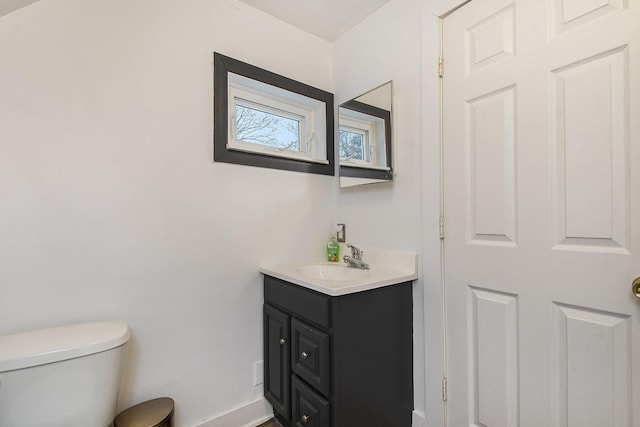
x=270, y=423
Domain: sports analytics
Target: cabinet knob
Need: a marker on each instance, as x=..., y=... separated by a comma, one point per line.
x=305, y=419
x=304, y=355
x=283, y=341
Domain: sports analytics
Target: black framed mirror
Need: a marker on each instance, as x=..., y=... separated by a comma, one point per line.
x=365, y=143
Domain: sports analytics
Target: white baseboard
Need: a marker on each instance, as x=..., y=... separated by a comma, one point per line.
x=250, y=414
x=418, y=419
x=258, y=411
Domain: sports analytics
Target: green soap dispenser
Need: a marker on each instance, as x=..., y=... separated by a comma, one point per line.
x=333, y=249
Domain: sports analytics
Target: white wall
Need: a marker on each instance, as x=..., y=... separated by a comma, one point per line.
x=111, y=206
x=387, y=46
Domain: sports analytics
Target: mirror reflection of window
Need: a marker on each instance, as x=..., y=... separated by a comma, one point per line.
x=354, y=143
x=364, y=143
x=359, y=135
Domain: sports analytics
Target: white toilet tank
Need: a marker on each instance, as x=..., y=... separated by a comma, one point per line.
x=67, y=376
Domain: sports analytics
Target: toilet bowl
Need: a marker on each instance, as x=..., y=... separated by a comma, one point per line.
x=67, y=376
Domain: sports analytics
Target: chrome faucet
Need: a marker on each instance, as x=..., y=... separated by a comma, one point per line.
x=355, y=260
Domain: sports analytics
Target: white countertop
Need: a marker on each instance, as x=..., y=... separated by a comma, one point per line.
x=387, y=267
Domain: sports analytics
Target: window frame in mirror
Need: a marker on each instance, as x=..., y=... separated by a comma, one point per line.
x=360, y=171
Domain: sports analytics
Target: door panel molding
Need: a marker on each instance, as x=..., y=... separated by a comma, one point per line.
x=493, y=358
x=589, y=140
x=591, y=363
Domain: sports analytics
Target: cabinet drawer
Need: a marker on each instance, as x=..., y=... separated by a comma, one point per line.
x=299, y=301
x=309, y=408
x=310, y=355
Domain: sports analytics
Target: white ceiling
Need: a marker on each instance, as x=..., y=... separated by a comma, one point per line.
x=327, y=19
x=8, y=6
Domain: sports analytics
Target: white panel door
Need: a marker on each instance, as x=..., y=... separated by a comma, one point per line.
x=542, y=213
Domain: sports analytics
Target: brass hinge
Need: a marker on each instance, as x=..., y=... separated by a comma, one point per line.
x=444, y=389
x=441, y=227
x=440, y=66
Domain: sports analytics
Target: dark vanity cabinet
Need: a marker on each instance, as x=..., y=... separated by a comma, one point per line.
x=342, y=361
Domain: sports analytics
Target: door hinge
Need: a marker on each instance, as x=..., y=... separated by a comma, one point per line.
x=444, y=389
x=441, y=66
x=441, y=227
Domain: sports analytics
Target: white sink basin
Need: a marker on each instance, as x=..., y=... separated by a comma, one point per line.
x=332, y=272
x=388, y=267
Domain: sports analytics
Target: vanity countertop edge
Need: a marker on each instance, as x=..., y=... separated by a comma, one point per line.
x=387, y=267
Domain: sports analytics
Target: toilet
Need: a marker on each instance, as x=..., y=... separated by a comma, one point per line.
x=66, y=376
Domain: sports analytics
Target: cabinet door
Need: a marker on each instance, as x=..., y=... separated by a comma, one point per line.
x=277, y=364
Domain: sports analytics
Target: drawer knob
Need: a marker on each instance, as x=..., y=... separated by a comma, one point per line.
x=305, y=419
x=304, y=355
x=283, y=341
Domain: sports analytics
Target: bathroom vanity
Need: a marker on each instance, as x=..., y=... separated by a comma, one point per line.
x=335, y=356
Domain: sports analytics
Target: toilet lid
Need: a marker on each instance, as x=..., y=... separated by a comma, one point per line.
x=33, y=348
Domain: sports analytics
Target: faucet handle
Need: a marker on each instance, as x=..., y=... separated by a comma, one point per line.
x=355, y=251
